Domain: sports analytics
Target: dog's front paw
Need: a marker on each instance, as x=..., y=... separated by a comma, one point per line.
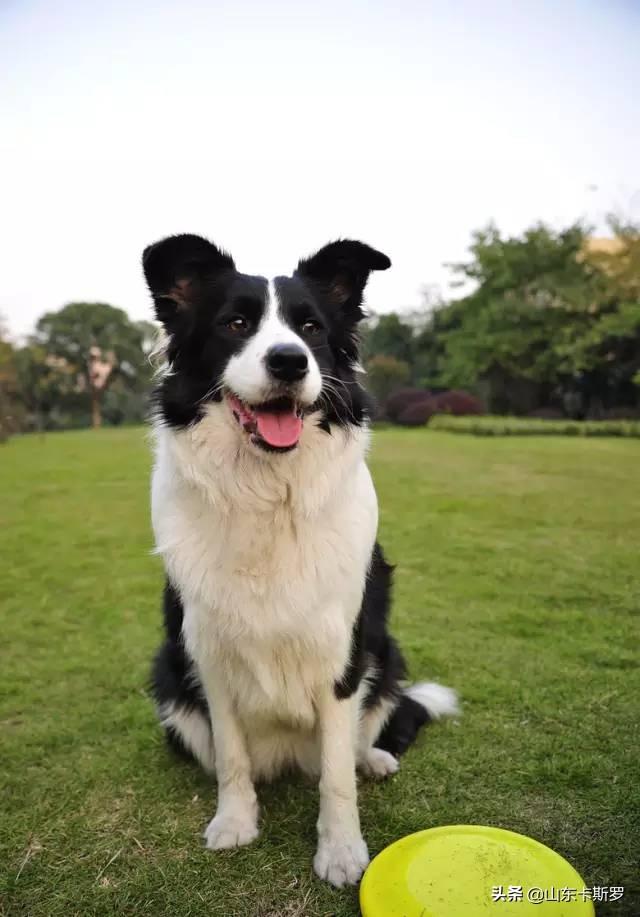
x=379, y=763
x=341, y=860
x=231, y=830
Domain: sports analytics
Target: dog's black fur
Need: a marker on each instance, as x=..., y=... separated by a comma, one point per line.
x=196, y=288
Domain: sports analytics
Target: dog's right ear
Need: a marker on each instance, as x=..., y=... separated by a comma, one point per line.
x=176, y=268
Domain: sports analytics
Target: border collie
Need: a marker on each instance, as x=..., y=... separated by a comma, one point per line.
x=276, y=650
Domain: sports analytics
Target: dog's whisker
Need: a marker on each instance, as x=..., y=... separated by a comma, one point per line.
x=330, y=388
x=212, y=391
x=331, y=378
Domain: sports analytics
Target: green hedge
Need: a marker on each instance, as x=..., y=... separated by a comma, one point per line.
x=533, y=426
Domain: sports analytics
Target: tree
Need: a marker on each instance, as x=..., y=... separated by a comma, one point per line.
x=619, y=257
x=607, y=353
x=524, y=330
x=529, y=290
x=391, y=336
x=48, y=388
x=384, y=374
x=11, y=411
x=95, y=344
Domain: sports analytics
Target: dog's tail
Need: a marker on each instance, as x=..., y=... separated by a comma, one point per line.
x=418, y=705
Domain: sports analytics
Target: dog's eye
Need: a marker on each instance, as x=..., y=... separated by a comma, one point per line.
x=237, y=324
x=311, y=327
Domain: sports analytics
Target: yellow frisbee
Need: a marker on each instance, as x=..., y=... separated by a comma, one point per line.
x=472, y=871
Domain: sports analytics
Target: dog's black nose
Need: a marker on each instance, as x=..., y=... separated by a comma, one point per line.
x=287, y=362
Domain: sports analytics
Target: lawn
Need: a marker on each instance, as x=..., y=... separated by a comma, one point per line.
x=517, y=583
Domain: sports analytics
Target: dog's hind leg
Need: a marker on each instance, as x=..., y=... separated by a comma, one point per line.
x=180, y=701
x=391, y=725
x=375, y=762
x=188, y=731
x=182, y=709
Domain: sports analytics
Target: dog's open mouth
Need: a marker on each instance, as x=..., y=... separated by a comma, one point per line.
x=275, y=425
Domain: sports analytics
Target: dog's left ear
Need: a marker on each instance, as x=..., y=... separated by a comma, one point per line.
x=342, y=269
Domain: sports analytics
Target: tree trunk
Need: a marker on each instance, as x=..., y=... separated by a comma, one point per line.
x=96, y=410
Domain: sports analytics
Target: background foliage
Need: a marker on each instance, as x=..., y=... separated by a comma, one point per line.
x=84, y=364
x=550, y=319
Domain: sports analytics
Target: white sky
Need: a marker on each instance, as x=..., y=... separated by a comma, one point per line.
x=273, y=127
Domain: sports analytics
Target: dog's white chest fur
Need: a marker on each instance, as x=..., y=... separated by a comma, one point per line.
x=270, y=558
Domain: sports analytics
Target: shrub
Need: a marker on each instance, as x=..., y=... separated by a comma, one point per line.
x=458, y=403
x=384, y=375
x=534, y=426
x=623, y=413
x=400, y=400
x=419, y=413
x=547, y=414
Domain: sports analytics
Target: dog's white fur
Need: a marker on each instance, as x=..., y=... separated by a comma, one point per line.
x=270, y=554
x=271, y=572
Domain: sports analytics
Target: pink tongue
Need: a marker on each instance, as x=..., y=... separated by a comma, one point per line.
x=279, y=429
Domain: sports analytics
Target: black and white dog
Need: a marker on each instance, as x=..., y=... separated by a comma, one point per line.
x=277, y=652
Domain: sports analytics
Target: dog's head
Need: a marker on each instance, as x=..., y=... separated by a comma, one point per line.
x=270, y=351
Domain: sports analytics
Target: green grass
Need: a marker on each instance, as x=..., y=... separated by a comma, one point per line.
x=517, y=584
